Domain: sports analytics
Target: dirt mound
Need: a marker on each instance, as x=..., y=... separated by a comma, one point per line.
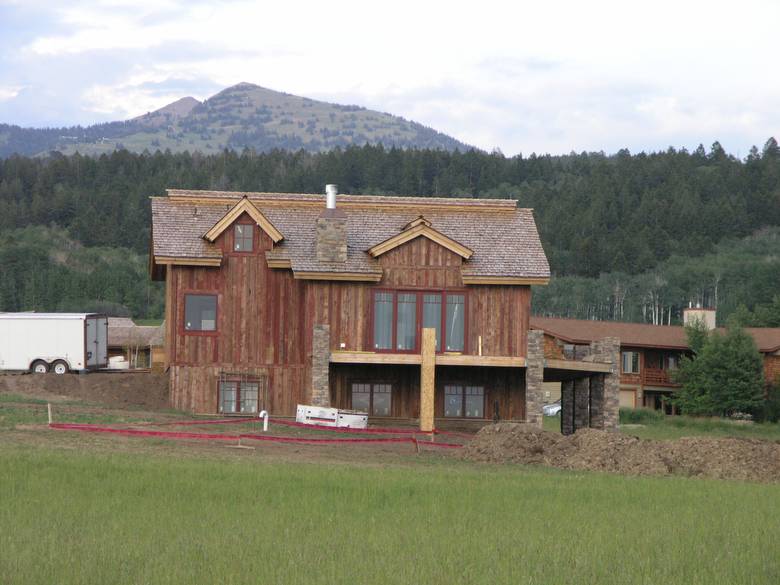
x=589, y=449
x=138, y=390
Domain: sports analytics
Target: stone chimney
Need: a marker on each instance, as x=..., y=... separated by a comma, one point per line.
x=331, y=230
x=706, y=316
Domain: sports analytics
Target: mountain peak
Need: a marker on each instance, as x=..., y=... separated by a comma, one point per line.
x=241, y=116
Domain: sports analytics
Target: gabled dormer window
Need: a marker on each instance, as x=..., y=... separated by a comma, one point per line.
x=243, y=237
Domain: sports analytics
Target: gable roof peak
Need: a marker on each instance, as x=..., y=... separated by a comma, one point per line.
x=415, y=222
x=244, y=205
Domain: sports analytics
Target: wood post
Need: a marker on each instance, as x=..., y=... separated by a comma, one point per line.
x=427, y=379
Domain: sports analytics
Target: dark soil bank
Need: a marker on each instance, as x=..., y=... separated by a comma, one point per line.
x=137, y=390
x=589, y=449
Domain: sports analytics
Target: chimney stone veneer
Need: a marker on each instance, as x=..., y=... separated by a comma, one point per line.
x=332, y=236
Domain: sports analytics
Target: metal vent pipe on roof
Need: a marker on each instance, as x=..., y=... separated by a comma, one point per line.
x=330, y=196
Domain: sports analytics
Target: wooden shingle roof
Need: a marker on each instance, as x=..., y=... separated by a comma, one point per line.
x=503, y=237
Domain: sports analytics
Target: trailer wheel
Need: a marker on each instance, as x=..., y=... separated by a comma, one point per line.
x=39, y=367
x=60, y=367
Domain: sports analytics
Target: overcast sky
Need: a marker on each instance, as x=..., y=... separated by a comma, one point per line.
x=541, y=76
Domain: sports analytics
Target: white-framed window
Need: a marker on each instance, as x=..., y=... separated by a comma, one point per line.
x=630, y=362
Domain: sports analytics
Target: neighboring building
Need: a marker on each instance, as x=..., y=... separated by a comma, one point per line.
x=649, y=353
x=277, y=299
x=140, y=346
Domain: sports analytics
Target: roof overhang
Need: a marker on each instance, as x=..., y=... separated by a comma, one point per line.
x=513, y=280
x=244, y=206
x=183, y=261
x=351, y=276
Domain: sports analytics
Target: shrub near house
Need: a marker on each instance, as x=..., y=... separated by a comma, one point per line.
x=724, y=377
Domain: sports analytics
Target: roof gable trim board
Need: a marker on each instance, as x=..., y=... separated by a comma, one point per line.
x=509, y=280
x=244, y=206
x=420, y=228
x=183, y=261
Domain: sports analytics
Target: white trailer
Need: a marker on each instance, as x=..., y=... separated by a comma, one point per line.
x=53, y=342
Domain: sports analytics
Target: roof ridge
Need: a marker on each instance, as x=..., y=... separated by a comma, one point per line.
x=346, y=198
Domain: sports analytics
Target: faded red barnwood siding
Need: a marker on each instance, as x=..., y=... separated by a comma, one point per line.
x=265, y=319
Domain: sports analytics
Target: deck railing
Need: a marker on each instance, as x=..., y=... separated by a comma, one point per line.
x=658, y=377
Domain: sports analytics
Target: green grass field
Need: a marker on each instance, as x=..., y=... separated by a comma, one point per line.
x=81, y=517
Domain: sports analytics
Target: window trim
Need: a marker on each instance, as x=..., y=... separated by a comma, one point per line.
x=183, y=313
x=372, y=383
x=419, y=293
x=638, y=362
x=238, y=380
x=251, y=226
x=463, y=385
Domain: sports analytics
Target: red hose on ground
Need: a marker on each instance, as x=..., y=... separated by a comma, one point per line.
x=224, y=437
x=291, y=423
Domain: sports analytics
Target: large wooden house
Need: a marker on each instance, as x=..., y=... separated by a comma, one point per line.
x=278, y=299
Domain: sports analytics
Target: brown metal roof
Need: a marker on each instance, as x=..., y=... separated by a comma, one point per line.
x=580, y=331
x=503, y=237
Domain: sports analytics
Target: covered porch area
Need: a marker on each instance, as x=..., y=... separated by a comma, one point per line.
x=464, y=390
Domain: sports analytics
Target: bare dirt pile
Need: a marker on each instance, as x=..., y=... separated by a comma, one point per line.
x=136, y=390
x=589, y=449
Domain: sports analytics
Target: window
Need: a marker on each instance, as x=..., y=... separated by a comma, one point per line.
x=238, y=396
x=243, y=237
x=399, y=316
x=630, y=362
x=432, y=315
x=671, y=362
x=455, y=322
x=200, y=312
x=464, y=401
x=406, y=328
x=373, y=398
x=383, y=320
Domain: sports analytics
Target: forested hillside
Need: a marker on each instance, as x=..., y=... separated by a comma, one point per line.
x=634, y=237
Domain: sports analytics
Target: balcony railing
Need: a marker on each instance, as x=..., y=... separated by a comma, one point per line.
x=658, y=377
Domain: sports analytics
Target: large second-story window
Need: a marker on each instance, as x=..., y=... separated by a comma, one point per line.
x=406, y=323
x=400, y=315
x=432, y=315
x=456, y=318
x=243, y=237
x=383, y=320
x=200, y=312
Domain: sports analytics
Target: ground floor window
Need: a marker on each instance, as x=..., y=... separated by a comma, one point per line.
x=464, y=401
x=238, y=396
x=374, y=398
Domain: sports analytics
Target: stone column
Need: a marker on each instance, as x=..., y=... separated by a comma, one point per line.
x=427, y=379
x=581, y=403
x=320, y=366
x=534, y=375
x=610, y=347
x=597, y=401
x=567, y=407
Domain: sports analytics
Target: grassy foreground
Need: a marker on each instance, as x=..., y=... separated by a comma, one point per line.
x=83, y=518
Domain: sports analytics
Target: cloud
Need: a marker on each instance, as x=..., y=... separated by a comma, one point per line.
x=525, y=76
